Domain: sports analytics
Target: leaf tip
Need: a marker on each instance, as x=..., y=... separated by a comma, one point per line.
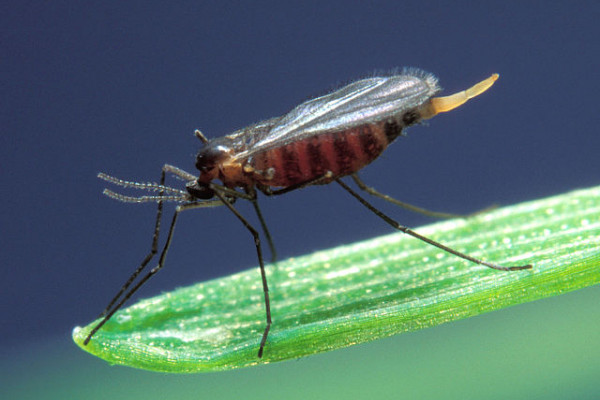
x=79, y=334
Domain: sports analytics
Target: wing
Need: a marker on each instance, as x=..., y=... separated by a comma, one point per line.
x=361, y=102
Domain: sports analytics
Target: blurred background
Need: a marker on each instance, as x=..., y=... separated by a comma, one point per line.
x=119, y=87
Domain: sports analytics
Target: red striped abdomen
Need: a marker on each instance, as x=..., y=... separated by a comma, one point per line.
x=342, y=153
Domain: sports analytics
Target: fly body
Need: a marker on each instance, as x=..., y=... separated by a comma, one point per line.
x=338, y=133
x=320, y=141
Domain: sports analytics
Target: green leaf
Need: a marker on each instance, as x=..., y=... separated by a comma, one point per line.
x=361, y=292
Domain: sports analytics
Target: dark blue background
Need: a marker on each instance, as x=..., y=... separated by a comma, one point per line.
x=120, y=87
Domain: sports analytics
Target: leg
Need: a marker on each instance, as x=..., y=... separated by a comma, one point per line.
x=108, y=313
x=263, y=224
x=177, y=172
x=263, y=275
x=322, y=179
x=412, y=233
x=146, y=260
x=249, y=195
x=429, y=213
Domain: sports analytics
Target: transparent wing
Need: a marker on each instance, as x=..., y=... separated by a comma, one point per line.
x=361, y=102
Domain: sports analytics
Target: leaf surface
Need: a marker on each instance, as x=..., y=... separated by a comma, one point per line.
x=361, y=292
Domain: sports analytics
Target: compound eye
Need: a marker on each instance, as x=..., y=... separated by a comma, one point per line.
x=199, y=191
x=204, y=162
x=208, y=157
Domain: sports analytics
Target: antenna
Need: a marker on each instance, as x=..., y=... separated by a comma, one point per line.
x=200, y=136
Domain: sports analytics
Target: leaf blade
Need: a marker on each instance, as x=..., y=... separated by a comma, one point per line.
x=363, y=291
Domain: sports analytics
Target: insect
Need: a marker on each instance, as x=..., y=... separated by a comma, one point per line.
x=318, y=142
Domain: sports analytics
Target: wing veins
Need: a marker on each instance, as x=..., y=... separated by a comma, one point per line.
x=311, y=110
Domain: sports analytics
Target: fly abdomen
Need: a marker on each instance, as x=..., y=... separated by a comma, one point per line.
x=341, y=152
